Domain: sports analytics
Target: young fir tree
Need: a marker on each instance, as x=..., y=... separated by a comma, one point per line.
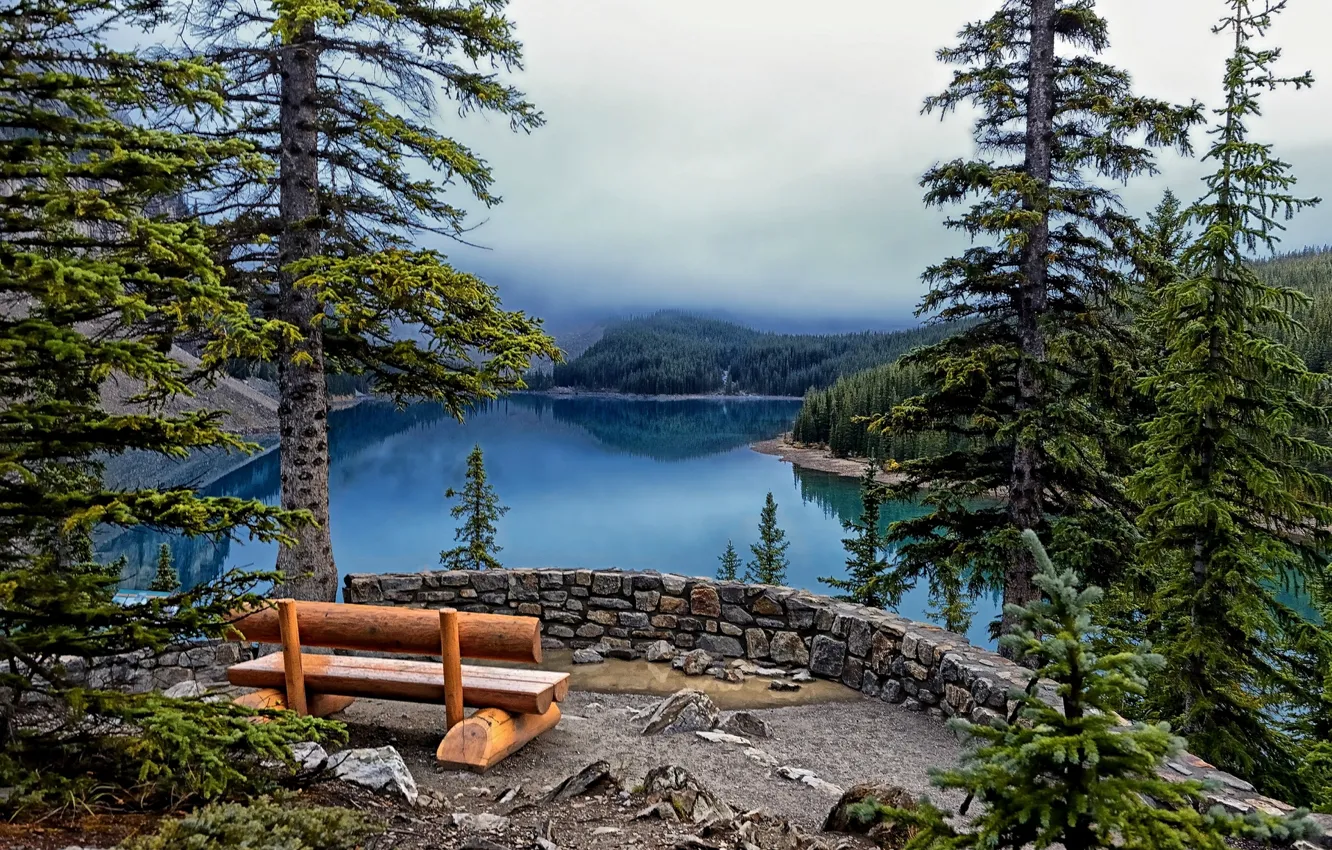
x=769, y=563
x=1067, y=773
x=167, y=579
x=345, y=99
x=478, y=509
x=1232, y=509
x=730, y=563
x=1017, y=392
x=867, y=580
x=96, y=286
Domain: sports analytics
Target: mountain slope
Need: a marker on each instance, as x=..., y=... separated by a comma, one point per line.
x=677, y=354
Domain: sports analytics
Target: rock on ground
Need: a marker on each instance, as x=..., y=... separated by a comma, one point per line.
x=696, y=663
x=808, y=777
x=694, y=803
x=593, y=778
x=659, y=651
x=188, y=689
x=746, y=724
x=380, y=769
x=686, y=710
x=883, y=833
x=588, y=655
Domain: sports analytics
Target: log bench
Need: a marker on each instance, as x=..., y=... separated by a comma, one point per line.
x=514, y=704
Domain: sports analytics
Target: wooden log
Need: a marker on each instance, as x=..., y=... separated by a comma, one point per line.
x=488, y=736
x=412, y=631
x=291, y=656
x=412, y=681
x=452, y=667
x=274, y=699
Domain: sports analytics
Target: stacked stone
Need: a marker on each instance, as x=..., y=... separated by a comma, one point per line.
x=920, y=666
x=143, y=671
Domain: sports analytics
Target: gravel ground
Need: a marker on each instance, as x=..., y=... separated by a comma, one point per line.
x=844, y=743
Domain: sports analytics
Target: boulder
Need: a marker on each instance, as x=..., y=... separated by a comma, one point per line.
x=686, y=710
x=746, y=724
x=810, y=778
x=693, y=802
x=659, y=651
x=593, y=779
x=827, y=657
x=696, y=663
x=309, y=756
x=723, y=738
x=189, y=689
x=380, y=769
x=788, y=648
x=587, y=655
x=884, y=833
x=782, y=685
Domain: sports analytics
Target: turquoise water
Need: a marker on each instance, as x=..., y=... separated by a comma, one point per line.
x=589, y=482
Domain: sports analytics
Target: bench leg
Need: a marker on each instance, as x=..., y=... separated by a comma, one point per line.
x=318, y=705
x=484, y=739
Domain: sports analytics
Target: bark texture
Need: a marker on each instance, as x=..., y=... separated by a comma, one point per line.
x=1026, y=484
x=303, y=409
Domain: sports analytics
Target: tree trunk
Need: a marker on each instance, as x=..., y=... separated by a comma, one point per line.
x=303, y=407
x=1026, y=484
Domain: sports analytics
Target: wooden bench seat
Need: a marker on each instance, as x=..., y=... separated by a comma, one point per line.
x=524, y=691
x=514, y=704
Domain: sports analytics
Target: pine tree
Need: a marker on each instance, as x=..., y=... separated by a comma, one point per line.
x=769, y=563
x=1232, y=510
x=1017, y=392
x=867, y=581
x=730, y=564
x=478, y=509
x=1067, y=772
x=344, y=99
x=97, y=286
x=167, y=579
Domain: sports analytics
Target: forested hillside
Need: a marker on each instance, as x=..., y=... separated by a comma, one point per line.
x=828, y=415
x=675, y=354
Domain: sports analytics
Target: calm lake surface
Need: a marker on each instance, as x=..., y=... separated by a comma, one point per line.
x=590, y=483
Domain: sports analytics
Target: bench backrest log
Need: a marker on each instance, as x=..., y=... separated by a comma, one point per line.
x=413, y=631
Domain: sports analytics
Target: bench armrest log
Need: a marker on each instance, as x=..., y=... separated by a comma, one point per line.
x=289, y=631
x=413, y=631
x=452, y=660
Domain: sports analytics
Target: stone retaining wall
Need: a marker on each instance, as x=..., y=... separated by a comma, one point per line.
x=140, y=672
x=918, y=665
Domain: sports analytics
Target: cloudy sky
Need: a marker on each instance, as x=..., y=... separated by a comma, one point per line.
x=763, y=156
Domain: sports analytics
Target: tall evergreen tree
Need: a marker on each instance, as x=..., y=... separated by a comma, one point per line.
x=769, y=563
x=1231, y=508
x=479, y=509
x=867, y=579
x=1067, y=773
x=344, y=100
x=167, y=579
x=95, y=285
x=729, y=570
x=1017, y=390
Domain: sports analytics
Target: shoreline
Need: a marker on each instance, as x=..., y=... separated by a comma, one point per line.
x=817, y=459
x=610, y=394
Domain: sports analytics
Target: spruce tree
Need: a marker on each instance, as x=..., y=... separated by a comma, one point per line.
x=97, y=285
x=1017, y=392
x=769, y=563
x=345, y=100
x=1067, y=773
x=167, y=579
x=867, y=580
x=730, y=563
x=1232, y=509
x=479, y=509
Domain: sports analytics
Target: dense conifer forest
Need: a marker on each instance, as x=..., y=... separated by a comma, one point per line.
x=672, y=353
x=837, y=416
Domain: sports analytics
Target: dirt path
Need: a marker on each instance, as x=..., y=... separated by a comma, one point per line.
x=844, y=742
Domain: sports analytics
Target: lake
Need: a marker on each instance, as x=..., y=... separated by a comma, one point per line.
x=590, y=483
